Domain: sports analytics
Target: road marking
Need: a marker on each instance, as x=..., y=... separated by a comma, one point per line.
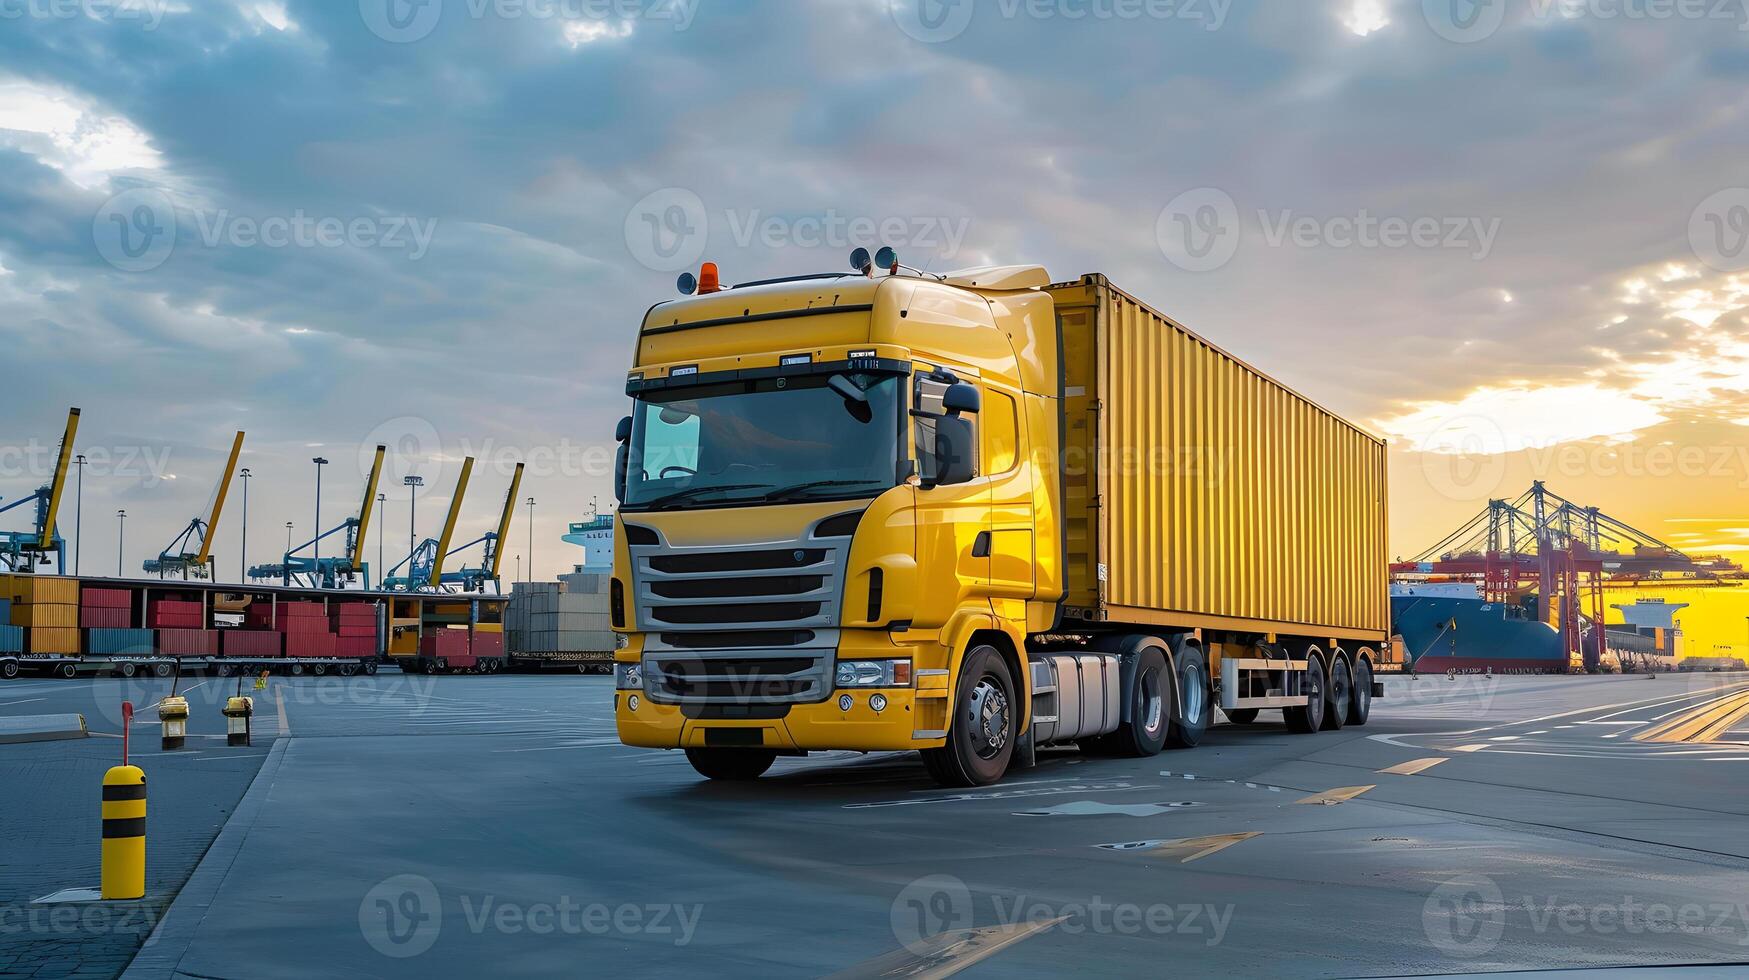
x=1504, y=738
x=4, y=704
x=1338, y=795
x=1701, y=724
x=1087, y=808
x=946, y=954
x=1479, y=746
x=1411, y=768
x=1201, y=847
x=279, y=701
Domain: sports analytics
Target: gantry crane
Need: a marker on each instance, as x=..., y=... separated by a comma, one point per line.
x=331, y=573
x=425, y=566
x=22, y=551
x=199, y=534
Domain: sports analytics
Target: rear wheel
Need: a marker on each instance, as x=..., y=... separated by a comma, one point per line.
x=1241, y=716
x=981, y=735
x=1339, y=694
x=731, y=764
x=1150, y=696
x=224, y=670
x=163, y=670
x=125, y=670
x=8, y=669
x=67, y=671
x=1309, y=717
x=1360, y=705
x=1192, y=708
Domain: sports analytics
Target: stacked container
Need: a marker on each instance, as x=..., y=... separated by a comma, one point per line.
x=188, y=642
x=305, y=625
x=11, y=637
x=355, y=629
x=450, y=645
x=251, y=643
x=175, y=614
x=118, y=642
x=105, y=609
x=47, y=609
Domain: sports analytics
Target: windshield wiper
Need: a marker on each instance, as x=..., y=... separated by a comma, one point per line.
x=690, y=492
x=801, y=489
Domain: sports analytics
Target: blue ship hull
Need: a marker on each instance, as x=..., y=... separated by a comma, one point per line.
x=1488, y=636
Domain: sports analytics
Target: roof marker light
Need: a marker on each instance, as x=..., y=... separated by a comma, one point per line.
x=887, y=259
x=860, y=261
x=708, y=282
x=687, y=283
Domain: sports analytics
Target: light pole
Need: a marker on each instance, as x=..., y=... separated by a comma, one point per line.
x=518, y=568
x=288, y=529
x=316, y=543
x=531, y=539
x=121, y=530
x=382, y=505
x=243, y=560
x=78, y=511
x=412, y=483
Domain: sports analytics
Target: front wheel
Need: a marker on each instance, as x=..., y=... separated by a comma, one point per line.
x=1309, y=717
x=985, y=723
x=731, y=764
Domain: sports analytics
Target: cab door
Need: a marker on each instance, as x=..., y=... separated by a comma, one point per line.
x=1002, y=435
x=953, y=522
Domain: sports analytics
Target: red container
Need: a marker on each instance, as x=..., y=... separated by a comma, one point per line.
x=175, y=614
x=309, y=644
x=188, y=643
x=251, y=643
x=104, y=617
x=105, y=598
x=488, y=646
x=356, y=647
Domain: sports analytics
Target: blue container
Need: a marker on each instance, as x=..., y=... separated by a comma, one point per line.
x=11, y=639
x=115, y=642
x=5, y=611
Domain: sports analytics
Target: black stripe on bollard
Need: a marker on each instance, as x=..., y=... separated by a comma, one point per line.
x=124, y=827
x=114, y=793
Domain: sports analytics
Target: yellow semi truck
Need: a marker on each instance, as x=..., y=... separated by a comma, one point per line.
x=973, y=515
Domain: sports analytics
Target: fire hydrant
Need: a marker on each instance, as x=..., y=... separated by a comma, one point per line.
x=238, y=712
x=173, y=713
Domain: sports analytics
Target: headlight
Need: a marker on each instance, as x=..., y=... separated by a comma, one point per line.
x=873, y=673
x=628, y=677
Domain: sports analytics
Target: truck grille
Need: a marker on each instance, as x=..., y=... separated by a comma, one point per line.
x=748, y=625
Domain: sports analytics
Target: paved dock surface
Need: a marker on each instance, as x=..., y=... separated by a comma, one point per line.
x=493, y=826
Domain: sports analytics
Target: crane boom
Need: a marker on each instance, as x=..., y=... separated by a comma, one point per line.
x=504, y=521
x=455, y=511
x=364, y=509
x=219, y=493
x=62, y=461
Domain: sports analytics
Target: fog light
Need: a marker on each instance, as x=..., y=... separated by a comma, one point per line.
x=844, y=702
x=632, y=702
x=878, y=702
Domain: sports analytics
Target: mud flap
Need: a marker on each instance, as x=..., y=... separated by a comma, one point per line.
x=1025, y=752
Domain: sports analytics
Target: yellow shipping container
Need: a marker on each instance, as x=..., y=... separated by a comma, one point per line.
x=53, y=639
x=40, y=588
x=1201, y=493
x=45, y=614
x=488, y=627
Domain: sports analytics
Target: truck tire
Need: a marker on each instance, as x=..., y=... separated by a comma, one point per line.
x=8, y=669
x=1150, y=697
x=1360, y=703
x=1193, y=710
x=1241, y=716
x=1338, y=693
x=983, y=727
x=163, y=670
x=1310, y=717
x=125, y=670
x=731, y=764
x=67, y=671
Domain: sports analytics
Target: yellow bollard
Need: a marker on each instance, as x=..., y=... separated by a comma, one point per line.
x=237, y=713
x=124, y=833
x=173, y=712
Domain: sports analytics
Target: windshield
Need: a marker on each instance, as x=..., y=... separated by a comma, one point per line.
x=809, y=437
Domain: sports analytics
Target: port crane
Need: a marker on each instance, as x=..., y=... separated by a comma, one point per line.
x=23, y=551
x=190, y=553
x=308, y=571
x=423, y=570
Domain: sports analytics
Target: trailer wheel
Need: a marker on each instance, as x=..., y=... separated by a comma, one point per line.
x=1360, y=704
x=296, y=670
x=223, y=670
x=163, y=670
x=1150, y=708
x=67, y=671
x=981, y=734
x=8, y=669
x=1241, y=716
x=1339, y=693
x=370, y=670
x=1192, y=708
x=1309, y=717
x=125, y=670
x=319, y=669
x=731, y=764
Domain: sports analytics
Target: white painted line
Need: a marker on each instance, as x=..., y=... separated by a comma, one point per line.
x=1613, y=722
x=1504, y=738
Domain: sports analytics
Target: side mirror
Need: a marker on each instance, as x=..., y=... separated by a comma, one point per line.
x=622, y=434
x=961, y=397
x=953, y=449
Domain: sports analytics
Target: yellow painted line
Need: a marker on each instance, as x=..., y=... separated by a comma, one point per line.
x=1411, y=768
x=1201, y=847
x=1338, y=795
x=1703, y=724
x=1479, y=746
x=946, y=954
x=279, y=700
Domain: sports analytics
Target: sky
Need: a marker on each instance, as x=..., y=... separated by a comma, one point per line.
x=1512, y=237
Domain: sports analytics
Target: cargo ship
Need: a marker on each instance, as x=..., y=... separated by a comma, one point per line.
x=1448, y=626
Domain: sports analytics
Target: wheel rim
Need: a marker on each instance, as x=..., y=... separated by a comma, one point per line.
x=1191, y=686
x=127, y=670
x=989, y=718
x=1153, y=705
x=1340, y=689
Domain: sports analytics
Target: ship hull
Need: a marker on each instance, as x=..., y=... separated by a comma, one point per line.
x=1487, y=637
